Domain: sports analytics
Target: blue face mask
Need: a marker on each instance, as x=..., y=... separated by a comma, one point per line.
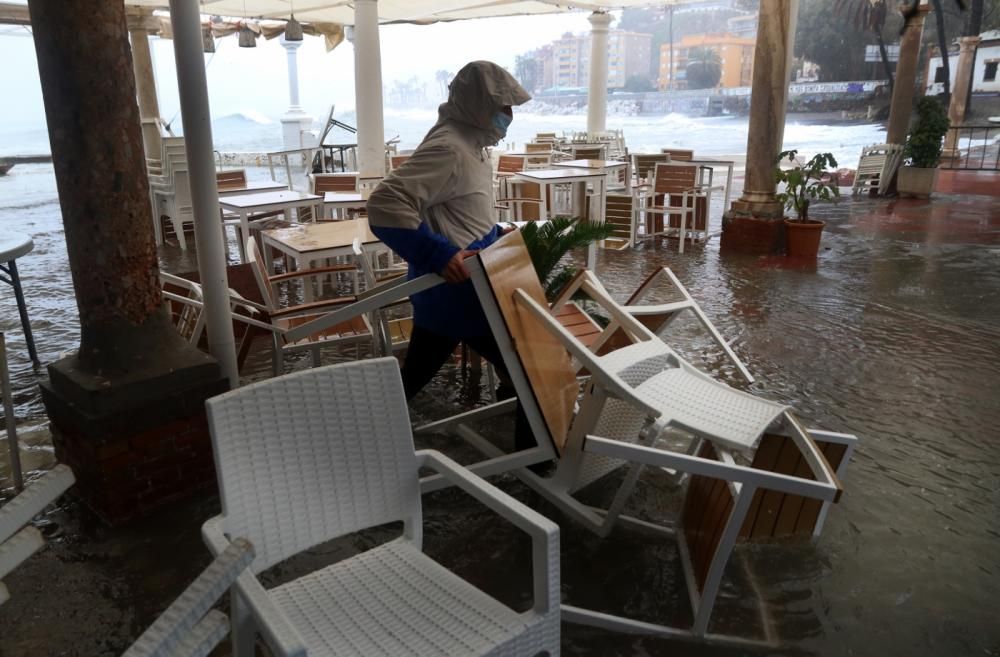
x=502, y=121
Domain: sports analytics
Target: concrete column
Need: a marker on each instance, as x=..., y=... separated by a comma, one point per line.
x=192, y=85
x=775, y=40
x=960, y=91
x=368, y=90
x=906, y=77
x=597, y=97
x=295, y=120
x=140, y=25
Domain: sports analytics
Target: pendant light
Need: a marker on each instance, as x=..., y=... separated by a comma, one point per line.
x=293, y=28
x=247, y=37
x=207, y=41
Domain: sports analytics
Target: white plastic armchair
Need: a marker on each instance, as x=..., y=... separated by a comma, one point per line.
x=322, y=453
x=18, y=540
x=190, y=627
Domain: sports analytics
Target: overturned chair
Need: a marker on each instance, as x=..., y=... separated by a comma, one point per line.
x=748, y=466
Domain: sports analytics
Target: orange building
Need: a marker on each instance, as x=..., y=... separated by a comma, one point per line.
x=735, y=52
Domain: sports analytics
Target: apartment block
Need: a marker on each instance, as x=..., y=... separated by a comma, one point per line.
x=628, y=54
x=735, y=52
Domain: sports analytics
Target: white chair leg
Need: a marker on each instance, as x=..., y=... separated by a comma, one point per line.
x=243, y=638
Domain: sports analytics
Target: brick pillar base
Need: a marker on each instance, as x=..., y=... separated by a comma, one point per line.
x=139, y=444
x=752, y=235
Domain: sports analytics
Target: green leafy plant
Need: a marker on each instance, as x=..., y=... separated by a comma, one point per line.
x=804, y=184
x=923, y=145
x=548, y=242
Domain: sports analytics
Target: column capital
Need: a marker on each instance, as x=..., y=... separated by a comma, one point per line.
x=599, y=20
x=141, y=19
x=292, y=46
x=968, y=43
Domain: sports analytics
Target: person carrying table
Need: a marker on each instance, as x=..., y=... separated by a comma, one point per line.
x=437, y=209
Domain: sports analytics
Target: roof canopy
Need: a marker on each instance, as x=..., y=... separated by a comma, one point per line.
x=400, y=11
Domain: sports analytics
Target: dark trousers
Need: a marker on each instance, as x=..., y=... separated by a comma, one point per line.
x=428, y=351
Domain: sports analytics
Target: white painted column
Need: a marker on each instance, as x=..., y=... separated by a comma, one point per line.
x=193, y=88
x=295, y=120
x=368, y=90
x=140, y=25
x=597, y=98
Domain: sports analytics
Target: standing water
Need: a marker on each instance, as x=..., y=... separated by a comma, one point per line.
x=891, y=334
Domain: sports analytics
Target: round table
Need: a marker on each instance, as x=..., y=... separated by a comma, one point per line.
x=13, y=246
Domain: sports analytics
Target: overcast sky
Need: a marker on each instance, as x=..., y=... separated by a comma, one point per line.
x=255, y=79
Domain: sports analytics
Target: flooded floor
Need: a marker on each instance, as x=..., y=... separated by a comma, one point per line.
x=891, y=334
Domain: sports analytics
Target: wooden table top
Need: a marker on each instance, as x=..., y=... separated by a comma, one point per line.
x=591, y=164
x=321, y=236
x=559, y=174
x=289, y=196
x=347, y=197
x=14, y=245
x=250, y=187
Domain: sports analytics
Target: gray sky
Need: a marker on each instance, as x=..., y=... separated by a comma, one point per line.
x=255, y=79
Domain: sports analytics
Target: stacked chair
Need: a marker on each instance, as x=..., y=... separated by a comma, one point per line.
x=170, y=190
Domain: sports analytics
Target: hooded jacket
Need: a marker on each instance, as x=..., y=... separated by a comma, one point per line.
x=440, y=200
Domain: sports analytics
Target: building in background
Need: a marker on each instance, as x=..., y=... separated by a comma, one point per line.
x=985, y=76
x=735, y=53
x=566, y=62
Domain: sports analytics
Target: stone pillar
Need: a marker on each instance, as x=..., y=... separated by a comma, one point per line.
x=119, y=406
x=597, y=97
x=906, y=76
x=775, y=37
x=960, y=92
x=295, y=120
x=140, y=25
x=753, y=225
x=368, y=90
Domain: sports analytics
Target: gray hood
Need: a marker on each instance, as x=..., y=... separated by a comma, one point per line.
x=477, y=92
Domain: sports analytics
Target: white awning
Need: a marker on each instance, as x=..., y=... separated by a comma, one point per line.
x=401, y=11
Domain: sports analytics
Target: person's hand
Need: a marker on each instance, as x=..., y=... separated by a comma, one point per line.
x=455, y=271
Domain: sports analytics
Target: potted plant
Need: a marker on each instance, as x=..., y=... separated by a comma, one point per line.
x=922, y=152
x=547, y=242
x=804, y=184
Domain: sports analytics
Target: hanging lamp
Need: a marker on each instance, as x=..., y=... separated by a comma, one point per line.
x=207, y=40
x=293, y=28
x=247, y=37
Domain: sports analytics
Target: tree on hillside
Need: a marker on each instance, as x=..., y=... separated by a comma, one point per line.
x=526, y=71
x=638, y=83
x=830, y=39
x=704, y=68
x=870, y=15
x=443, y=78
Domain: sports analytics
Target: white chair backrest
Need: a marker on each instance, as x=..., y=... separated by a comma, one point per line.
x=256, y=261
x=334, y=440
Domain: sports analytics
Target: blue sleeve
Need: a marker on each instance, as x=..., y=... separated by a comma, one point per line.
x=423, y=249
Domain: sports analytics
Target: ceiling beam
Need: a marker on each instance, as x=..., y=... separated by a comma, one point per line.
x=11, y=14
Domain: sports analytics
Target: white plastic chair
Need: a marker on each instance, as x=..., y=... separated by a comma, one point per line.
x=322, y=453
x=656, y=317
x=190, y=627
x=18, y=539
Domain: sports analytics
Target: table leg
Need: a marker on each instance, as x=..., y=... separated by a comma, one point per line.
x=245, y=232
x=8, y=413
x=22, y=310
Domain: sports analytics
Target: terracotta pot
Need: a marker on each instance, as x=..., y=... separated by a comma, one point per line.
x=916, y=181
x=802, y=238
